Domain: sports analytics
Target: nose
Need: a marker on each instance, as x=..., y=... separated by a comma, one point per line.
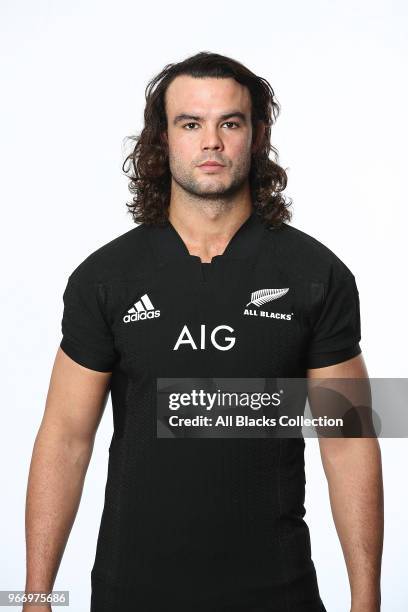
x=211, y=139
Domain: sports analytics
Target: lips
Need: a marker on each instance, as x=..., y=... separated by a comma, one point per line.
x=211, y=163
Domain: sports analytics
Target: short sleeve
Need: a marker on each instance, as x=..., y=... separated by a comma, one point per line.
x=337, y=331
x=87, y=337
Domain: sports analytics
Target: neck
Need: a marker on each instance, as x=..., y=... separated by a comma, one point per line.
x=206, y=231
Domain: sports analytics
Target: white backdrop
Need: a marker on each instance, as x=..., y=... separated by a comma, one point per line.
x=73, y=76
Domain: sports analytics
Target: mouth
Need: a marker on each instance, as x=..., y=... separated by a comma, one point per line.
x=211, y=166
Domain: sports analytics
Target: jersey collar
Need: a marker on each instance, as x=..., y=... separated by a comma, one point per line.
x=168, y=244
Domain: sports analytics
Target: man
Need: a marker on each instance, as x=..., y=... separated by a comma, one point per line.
x=203, y=524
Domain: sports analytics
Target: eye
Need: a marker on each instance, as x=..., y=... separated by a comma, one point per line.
x=225, y=123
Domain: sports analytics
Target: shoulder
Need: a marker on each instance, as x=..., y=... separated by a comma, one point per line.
x=306, y=255
x=127, y=254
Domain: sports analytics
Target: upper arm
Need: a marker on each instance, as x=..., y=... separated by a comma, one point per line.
x=336, y=331
x=339, y=390
x=85, y=359
x=350, y=368
x=87, y=335
x=76, y=399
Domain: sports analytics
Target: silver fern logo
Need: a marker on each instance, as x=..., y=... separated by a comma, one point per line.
x=262, y=296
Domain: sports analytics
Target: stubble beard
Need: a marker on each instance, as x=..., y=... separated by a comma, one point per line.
x=210, y=189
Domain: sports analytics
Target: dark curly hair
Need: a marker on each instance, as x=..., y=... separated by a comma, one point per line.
x=149, y=171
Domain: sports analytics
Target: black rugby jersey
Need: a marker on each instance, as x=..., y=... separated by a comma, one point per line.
x=205, y=523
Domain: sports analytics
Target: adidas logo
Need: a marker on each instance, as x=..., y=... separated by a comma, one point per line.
x=142, y=309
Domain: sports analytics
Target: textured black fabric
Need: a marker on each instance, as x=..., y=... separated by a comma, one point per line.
x=86, y=336
x=199, y=523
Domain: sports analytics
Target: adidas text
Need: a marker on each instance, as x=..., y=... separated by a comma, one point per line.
x=142, y=309
x=138, y=316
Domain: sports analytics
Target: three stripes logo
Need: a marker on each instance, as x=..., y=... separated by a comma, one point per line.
x=142, y=309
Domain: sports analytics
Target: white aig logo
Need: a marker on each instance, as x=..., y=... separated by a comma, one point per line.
x=217, y=334
x=142, y=309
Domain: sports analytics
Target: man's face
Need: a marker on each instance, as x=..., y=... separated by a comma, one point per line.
x=209, y=119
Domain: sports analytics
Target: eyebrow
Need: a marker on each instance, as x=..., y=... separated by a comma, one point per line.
x=184, y=116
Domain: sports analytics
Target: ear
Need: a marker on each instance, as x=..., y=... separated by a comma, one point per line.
x=164, y=137
x=258, y=136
